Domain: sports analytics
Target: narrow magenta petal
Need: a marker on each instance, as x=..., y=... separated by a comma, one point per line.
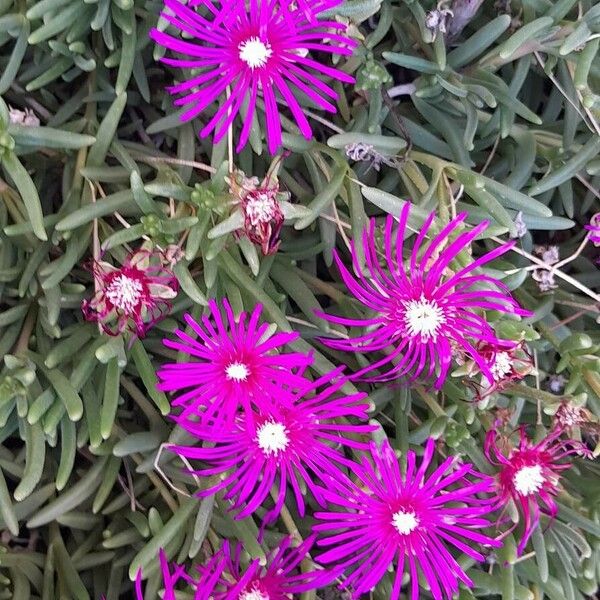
x=423, y=314
x=389, y=520
x=258, y=64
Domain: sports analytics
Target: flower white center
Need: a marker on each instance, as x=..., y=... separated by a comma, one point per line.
x=254, y=52
x=254, y=594
x=502, y=365
x=423, y=317
x=528, y=480
x=260, y=208
x=405, y=522
x=124, y=293
x=237, y=371
x=272, y=437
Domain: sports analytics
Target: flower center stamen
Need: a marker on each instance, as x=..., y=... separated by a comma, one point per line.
x=423, y=317
x=237, y=371
x=272, y=437
x=124, y=293
x=260, y=208
x=502, y=365
x=254, y=52
x=253, y=594
x=528, y=480
x=405, y=522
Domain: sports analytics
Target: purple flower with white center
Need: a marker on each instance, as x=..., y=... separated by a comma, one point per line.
x=134, y=296
x=594, y=229
x=421, y=315
x=285, y=445
x=389, y=520
x=236, y=365
x=258, y=48
x=224, y=578
x=530, y=474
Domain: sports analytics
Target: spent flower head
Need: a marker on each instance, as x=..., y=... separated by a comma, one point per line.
x=247, y=50
x=261, y=205
x=133, y=296
x=549, y=254
x=545, y=279
x=26, y=117
x=556, y=383
x=422, y=314
x=508, y=363
x=520, y=225
x=436, y=20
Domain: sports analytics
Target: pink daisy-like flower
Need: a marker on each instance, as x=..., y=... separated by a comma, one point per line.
x=224, y=578
x=286, y=444
x=530, y=474
x=387, y=519
x=134, y=296
x=423, y=314
x=594, y=229
x=236, y=365
x=258, y=48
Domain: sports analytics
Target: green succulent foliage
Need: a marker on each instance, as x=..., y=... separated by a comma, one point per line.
x=497, y=117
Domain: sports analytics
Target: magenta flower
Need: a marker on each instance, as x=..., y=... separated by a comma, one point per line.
x=223, y=577
x=259, y=48
x=134, y=296
x=594, y=229
x=530, y=474
x=423, y=314
x=237, y=365
x=283, y=445
x=387, y=519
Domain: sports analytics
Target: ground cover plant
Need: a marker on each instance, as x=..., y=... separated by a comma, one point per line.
x=299, y=299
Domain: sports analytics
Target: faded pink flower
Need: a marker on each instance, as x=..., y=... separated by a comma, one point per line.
x=389, y=521
x=253, y=49
x=508, y=363
x=263, y=218
x=530, y=474
x=133, y=296
x=26, y=117
x=260, y=207
x=422, y=314
x=236, y=365
x=571, y=420
x=545, y=280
